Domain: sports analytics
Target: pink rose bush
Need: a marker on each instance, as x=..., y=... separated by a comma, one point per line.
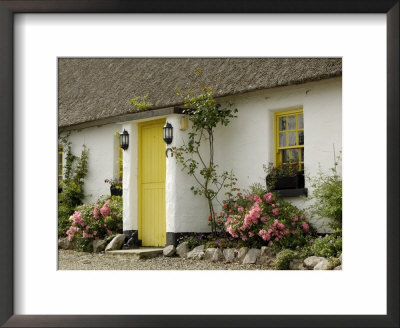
x=96, y=221
x=262, y=218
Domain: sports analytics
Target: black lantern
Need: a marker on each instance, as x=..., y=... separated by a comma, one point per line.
x=124, y=140
x=167, y=133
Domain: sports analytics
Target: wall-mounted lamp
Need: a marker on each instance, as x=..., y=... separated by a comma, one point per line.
x=124, y=140
x=168, y=136
x=167, y=133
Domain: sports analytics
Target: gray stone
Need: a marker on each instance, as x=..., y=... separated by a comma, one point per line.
x=213, y=255
x=169, y=250
x=64, y=243
x=116, y=243
x=99, y=245
x=251, y=256
x=197, y=253
x=229, y=254
x=242, y=253
x=312, y=261
x=296, y=264
x=339, y=267
x=322, y=265
x=265, y=260
x=84, y=261
x=182, y=249
x=266, y=251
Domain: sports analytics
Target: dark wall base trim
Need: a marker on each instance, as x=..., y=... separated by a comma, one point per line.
x=131, y=238
x=173, y=237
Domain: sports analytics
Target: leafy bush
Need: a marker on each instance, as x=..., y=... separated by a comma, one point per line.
x=328, y=196
x=261, y=218
x=95, y=221
x=283, y=259
x=328, y=246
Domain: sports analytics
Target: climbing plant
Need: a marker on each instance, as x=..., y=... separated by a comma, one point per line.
x=75, y=171
x=205, y=115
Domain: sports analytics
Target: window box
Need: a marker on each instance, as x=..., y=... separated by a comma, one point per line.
x=288, y=182
x=115, y=191
x=292, y=192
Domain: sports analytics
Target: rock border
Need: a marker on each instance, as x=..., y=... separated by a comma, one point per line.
x=249, y=256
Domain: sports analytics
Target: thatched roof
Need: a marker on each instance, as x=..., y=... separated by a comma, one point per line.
x=93, y=89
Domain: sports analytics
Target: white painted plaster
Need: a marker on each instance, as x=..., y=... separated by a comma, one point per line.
x=102, y=158
x=248, y=143
x=129, y=183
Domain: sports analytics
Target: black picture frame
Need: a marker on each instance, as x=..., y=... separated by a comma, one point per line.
x=10, y=7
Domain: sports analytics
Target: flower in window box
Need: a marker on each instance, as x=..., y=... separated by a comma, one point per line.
x=284, y=176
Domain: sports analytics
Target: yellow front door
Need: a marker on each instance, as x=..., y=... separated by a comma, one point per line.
x=152, y=226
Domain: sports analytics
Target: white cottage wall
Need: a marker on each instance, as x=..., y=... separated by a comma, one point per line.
x=102, y=160
x=244, y=146
x=248, y=143
x=129, y=183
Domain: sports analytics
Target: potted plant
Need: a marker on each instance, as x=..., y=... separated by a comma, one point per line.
x=115, y=186
x=284, y=176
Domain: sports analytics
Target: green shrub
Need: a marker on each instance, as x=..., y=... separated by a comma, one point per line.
x=283, y=259
x=328, y=246
x=84, y=245
x=95, y=221
x=327, y=194
x=259, y=218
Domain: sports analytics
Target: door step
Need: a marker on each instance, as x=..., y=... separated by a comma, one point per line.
x=138, y=253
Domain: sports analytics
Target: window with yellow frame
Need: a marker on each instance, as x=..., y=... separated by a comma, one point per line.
x=60, y=164
x=289, y=137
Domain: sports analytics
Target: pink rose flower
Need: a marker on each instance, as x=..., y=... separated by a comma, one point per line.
x=305, y=227
x=96, y=211
x=105, y=210
x=269, y=197
x=275, y=212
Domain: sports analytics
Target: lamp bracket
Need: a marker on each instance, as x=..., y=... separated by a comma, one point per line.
x=166, y=152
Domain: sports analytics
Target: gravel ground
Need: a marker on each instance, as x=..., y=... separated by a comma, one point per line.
x=71, y=260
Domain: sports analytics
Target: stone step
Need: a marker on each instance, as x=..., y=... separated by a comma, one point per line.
x=138, y=253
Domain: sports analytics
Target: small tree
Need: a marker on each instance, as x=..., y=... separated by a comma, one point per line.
x=205, y=114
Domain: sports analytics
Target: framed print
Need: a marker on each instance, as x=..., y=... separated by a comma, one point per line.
x=37, y=35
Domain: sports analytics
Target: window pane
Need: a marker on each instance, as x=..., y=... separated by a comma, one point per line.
x=302, y=167
x=300, y=121
x=292, y=138
x=282, y=139
x=285, y=156
x=292, y=122
x=301, y=137
x=294, y=155
x=282, y=123
x=302, y=154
